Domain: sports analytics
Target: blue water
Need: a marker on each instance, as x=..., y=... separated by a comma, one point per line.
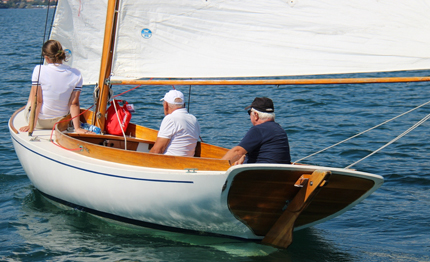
x=393, y=224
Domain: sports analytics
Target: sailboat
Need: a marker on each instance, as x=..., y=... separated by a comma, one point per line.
x=214, y=42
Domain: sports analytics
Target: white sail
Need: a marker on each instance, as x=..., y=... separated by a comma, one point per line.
x=79, y=26
x=219, y=38
x=248, y=38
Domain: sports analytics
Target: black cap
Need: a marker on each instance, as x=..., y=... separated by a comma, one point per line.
x=262, y=104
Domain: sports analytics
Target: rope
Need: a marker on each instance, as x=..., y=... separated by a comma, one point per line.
x=119, y=121
x=394, y=140
x=126, y=91
x=116, y=112
x=383, y=123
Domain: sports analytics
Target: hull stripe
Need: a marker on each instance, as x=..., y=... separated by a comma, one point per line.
x=104, y=174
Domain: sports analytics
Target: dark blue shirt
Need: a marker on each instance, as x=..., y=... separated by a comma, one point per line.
x=266, y=143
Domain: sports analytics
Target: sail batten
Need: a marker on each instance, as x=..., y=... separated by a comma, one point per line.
x=246, y=38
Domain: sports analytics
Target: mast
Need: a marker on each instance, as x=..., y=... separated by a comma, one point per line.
x=106, y=64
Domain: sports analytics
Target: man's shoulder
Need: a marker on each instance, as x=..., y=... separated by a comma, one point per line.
x=270, y=127
x=182, y=113
x=270, y=124
x=167, y=119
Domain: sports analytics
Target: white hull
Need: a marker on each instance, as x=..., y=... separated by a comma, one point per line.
x=171, y=198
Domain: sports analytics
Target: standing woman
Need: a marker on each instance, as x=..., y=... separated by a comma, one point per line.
x=58, y=91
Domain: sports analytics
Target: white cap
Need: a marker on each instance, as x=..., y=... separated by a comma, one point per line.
x=170, y=97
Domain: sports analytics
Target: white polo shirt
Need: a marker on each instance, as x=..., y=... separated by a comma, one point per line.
x=183, y=130
x=58, y=81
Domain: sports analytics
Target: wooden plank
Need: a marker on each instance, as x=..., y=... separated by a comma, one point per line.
x=261, y=218
x=261, y=214
x=141, y=132
x=212, y=151
x=281, y=234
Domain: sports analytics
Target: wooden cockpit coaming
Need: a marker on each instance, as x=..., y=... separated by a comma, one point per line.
x=112, y=148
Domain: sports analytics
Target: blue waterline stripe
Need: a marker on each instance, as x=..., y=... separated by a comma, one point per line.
x=104, y=174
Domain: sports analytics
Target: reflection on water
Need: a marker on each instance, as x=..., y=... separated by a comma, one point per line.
x=68, y=233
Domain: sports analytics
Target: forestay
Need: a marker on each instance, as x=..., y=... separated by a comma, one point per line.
x=248, y=38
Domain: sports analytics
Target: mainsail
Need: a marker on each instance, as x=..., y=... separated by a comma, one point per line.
x=79, y=26
x=248, y=38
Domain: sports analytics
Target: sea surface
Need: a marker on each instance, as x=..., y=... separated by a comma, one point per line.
x=393, y=224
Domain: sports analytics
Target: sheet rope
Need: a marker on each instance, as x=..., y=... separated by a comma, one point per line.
x=384, y=146
x=116, y=113
x=394, y=140
x=119, y=121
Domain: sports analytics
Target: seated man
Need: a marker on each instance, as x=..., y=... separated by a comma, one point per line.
x=266, y=141
x=179, y=130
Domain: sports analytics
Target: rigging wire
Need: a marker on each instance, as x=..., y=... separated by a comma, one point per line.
x=413, y=127
x=126, y=91
x=394, y=140
x=46, y=24
x=188, y=105
x=189, y=98
x=33, y=112
x=52, y=18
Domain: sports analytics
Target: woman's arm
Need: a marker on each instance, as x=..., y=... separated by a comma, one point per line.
x=75, y=110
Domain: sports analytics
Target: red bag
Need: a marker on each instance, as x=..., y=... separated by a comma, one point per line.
x=112, y=126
